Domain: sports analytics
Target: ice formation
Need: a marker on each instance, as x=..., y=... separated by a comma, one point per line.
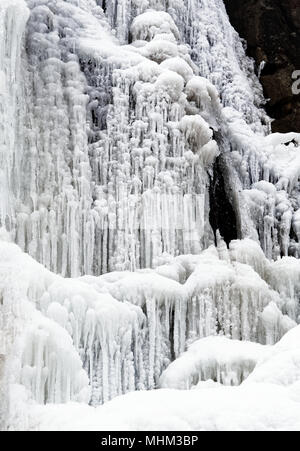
x=124, y=125
x=93, y=338
x=216, y=359
x=106, y=142
x=269, y=400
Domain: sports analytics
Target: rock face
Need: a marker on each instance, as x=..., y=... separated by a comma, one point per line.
x=272, y=31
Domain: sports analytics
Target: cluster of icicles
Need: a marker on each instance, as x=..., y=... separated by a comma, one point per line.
x=106, y=157
x=107, y=149
x=93, y=338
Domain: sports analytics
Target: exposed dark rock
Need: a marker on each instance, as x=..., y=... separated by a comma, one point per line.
x=272, y=31
x=222, y=214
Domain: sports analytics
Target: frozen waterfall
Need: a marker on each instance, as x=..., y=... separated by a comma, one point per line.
x=147, y=212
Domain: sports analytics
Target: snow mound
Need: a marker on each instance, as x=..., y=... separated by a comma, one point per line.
x=51, y=368
x=203, y=94
x=180, y=66
x=199, y=138
x=151, y=23
x=228, y=362
x=258, y=404
x=119, y=332
x=282, y=366
x=62, y=335
x=170, y=83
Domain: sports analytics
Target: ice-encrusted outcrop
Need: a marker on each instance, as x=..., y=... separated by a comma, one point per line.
x=270, y=401
x=64, y=336
x=113, y=133
x=104, y=164
x=13, y=18
x=93, y=338
x=214, y=359
x=116, y=118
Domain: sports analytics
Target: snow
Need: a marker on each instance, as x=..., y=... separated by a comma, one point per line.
x=152, y=22
x=105, y=121
x=258, y=404
x=204, y=96
x=227, y=362
x=199, y=138
x=178, y=65
x=170, y=83
x=94, y=338
x=261, y=408
x=51, y=368
x=67, y=325
x=113, y=115
x=282, y=367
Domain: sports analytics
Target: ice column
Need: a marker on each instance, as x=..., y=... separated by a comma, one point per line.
x=13, y=18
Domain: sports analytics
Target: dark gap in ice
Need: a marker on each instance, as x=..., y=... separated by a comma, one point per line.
x=222, y=216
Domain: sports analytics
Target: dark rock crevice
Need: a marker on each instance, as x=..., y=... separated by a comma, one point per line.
x=222, y=214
